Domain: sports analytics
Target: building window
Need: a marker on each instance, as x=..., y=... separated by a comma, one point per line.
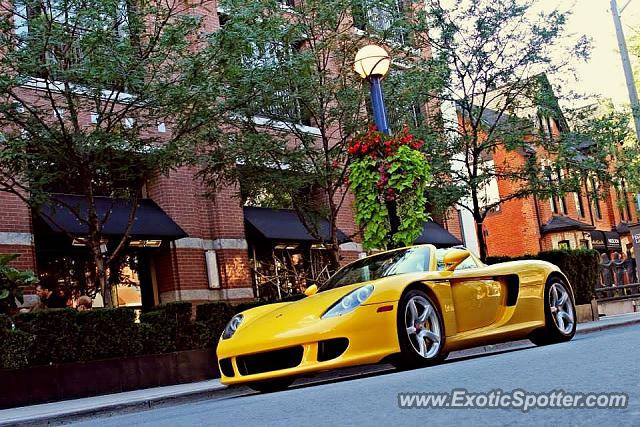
x=579, y=205
x=584, y=244
x=594, y=197
x=564, y=244
x=283, y=104
x=625, y=197
x=563, y=201
x=369, y=16
x=553, y=202
x=58, y=33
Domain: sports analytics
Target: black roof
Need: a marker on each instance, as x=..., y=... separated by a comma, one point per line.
x=562, y=223
x=435, y=234
x=284, y=224
x=150, y=220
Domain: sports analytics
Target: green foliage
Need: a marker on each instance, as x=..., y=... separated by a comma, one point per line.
x=388, y=169
x=504, y=99
x=579, y=265
x=12, y=282
x=171, y=327
x=107, y=333
x=56, y=335
x=297, y=69
x=15, y=348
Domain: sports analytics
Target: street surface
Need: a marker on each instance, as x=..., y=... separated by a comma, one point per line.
x=606, y=361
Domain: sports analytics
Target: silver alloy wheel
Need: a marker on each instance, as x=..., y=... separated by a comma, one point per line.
x=561, y=308
x=423, y=328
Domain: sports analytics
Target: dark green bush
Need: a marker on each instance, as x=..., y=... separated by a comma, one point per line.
x=15, y=348
x=579, y=265
x=214, y=316
x=171, y=327
x=56, y=335
x=107, y=333
x=581, y=268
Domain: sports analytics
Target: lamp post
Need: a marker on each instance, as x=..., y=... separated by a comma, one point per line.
x=372, y=63
x=626, y=64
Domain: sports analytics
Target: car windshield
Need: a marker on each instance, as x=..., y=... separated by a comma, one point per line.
x=409, y=260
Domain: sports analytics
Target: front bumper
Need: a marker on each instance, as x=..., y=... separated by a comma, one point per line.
x=371, y=336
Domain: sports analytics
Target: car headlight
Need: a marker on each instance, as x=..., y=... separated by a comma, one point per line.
x=349, y=302
x=232, y=326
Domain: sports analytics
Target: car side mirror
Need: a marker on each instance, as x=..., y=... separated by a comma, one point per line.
x=311, y=290
x=454, y=258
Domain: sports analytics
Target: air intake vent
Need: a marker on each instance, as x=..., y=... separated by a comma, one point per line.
x=330, y=349
x=226, y=368
x=270, y=360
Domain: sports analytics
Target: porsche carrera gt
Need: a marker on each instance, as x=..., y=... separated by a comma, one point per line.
x=409, y=306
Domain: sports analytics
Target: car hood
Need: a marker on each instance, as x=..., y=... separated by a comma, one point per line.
x=283, y=319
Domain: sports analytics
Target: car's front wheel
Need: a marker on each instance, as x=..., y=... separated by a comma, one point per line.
x=420, y=331
x=559, y=313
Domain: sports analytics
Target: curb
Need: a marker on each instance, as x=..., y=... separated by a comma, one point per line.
x=606, y=326
x=222, y=391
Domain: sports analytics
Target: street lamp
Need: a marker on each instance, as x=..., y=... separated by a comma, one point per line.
x=626, y=64
x=372, y=63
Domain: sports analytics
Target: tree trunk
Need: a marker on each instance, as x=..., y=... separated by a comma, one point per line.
x=103, y=282
x=482, y=243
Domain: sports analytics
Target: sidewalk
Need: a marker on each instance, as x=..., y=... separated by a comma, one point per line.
x=69, y=410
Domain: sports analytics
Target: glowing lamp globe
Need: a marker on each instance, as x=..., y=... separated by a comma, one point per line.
x=372, y=60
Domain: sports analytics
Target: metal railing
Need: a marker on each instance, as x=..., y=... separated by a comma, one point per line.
x=616, y=293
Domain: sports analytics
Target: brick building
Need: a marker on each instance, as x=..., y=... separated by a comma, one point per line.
x=187, y=244
x=593, y=217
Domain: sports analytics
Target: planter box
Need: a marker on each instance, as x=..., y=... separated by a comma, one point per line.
x=587, y=312
x=39, y=384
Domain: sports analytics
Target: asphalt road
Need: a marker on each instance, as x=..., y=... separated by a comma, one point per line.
x=607, y=361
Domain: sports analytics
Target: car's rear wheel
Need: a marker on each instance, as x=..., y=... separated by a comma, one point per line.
x=271, y=385
x=559, y=313
x=420, y=331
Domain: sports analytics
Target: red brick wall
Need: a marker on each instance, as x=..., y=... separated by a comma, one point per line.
x=15, y=215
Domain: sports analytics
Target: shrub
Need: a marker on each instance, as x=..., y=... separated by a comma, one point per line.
x=56, y=335
x=171, y=328
x=15, y=348
x=214, y=316
x=107, y=333
x=579, y=265
x=581, y=268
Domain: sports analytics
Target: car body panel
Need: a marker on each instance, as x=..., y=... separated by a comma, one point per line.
x=478, y=306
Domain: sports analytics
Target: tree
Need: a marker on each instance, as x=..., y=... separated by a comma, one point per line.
x=85, y=86
x=296, y=65
x=496, y=55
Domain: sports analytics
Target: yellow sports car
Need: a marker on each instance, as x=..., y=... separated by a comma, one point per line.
x=409, y=306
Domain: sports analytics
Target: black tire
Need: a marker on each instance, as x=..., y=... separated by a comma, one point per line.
x=271, y=386
x=410, y=356
x=553, y=331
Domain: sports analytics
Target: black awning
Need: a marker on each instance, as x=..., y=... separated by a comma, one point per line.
x=598, y=240
x=149, y=222
x=564, y=223
x=285, y=225
x=613, y=241
x=436, y=235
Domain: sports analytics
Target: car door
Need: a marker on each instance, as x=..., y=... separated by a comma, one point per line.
x=477, y=296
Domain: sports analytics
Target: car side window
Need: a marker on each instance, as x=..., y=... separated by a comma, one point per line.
x=467, y=264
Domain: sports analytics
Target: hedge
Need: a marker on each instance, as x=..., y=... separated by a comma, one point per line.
x=579, y=265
